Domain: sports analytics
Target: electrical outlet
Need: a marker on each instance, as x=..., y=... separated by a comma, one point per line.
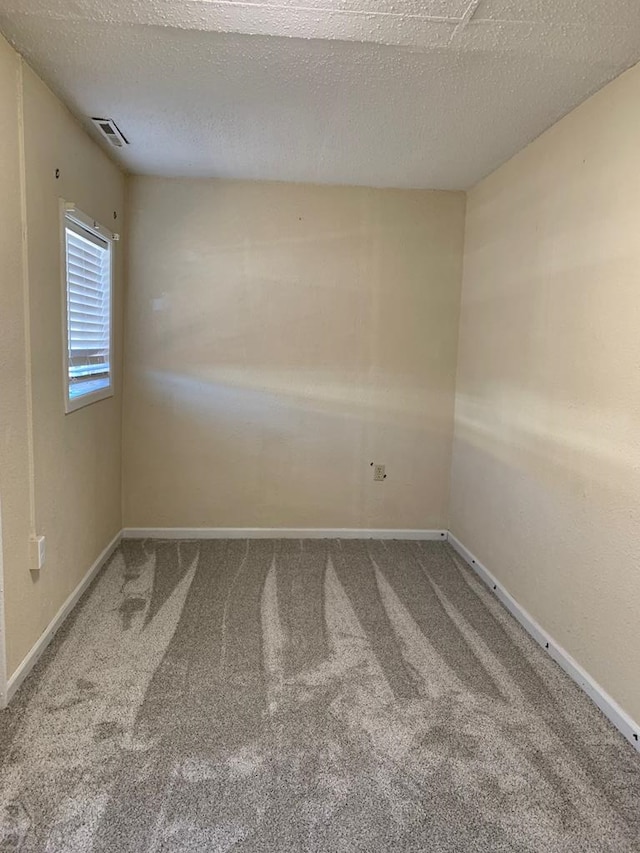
x=38, y=552
x=378, y=473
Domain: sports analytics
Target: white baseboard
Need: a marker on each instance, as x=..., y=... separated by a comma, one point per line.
x=276, y=533
x=52, y=628
x=609, y=707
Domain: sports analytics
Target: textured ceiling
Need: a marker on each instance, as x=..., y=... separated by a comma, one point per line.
x=405, y=93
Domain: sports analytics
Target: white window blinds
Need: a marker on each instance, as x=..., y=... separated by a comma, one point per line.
x=88, y=275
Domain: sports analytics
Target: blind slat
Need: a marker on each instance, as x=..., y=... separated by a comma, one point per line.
x=83, y=278
x=83, y=269
x=84, y=314
x=93, y=305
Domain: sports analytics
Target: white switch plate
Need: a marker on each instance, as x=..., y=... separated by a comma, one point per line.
x=378, y=473
x=38, y=552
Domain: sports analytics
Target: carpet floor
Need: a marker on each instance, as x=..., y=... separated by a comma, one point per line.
x=279, y=696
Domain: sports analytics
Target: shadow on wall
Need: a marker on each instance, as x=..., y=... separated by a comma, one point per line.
x=232, y=392
x=297, y=444
x=546, y=380
x=575, y=448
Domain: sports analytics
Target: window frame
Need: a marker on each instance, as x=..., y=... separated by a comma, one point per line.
x=70, y=214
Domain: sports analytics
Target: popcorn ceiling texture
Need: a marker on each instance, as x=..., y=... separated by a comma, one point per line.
x=425, y=94
x=281, y=696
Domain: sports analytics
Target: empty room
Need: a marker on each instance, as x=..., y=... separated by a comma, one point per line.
x=320, y=426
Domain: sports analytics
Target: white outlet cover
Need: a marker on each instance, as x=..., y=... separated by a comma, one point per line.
x=38, y=544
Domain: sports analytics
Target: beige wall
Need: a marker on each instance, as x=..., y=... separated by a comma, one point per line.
x=279, y=339
x=76, y=458
x=546, y=470
x=14, y=444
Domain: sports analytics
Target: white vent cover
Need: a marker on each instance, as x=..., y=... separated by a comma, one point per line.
x=110, y=130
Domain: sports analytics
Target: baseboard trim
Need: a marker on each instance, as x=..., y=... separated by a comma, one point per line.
x=609, y=707
x=54, y=626
x=277, y=533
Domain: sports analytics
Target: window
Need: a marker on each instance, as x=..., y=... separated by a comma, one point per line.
x=88, y=333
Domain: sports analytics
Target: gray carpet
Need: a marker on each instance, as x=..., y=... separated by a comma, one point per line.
x=274, y=696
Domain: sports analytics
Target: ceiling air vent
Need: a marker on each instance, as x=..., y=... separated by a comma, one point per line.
x=111, y=132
